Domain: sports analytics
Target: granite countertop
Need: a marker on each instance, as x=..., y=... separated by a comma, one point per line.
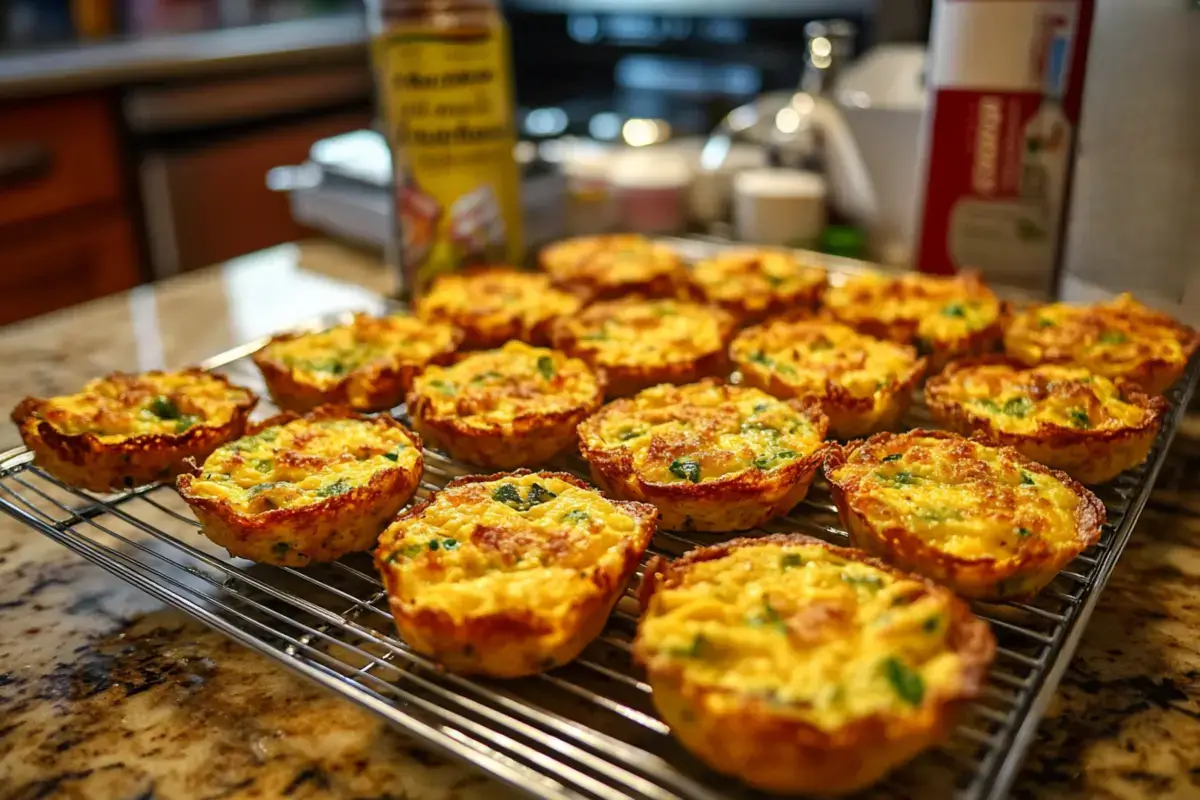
x=83, y=66
x=105, y=693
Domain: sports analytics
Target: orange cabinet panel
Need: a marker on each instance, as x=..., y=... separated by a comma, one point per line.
x=65, y=260
x=56, y=154
x=211, y=204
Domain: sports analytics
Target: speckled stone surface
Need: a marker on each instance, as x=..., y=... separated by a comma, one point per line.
x=106, y=694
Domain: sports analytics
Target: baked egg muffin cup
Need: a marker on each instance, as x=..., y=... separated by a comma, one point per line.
x=612, y=265
x=735, y=501
x=505, y=633
x=87, y=461
x=850, y=415
x=375, y=386
x=985, y=577
x=1118, y=339
x=547, y=393
x=321, y=531
x=1091, y=455
x=755, y=283
x=870, y=310
x=494, y=304
x=684, y=356
x=773, y=747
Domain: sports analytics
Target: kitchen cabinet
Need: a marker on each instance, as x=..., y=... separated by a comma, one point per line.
x=63, y=260
x=65, y=230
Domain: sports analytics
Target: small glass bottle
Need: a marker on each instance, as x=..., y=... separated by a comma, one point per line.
x=445, y=96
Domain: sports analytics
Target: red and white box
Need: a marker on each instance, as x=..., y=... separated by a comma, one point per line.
x=1006, y=82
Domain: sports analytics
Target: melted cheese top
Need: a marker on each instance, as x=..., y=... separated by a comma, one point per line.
x=120, y=406
x=324, y=359
x=815, y=635
x=752, y=278
x=494, y=296
x=1025, y=401
x=302, y=462
x=646, y=332
x=942, y=309
x=702, y=432
x=610, y=260
x=1111, y=339
x=811, y=357
x=960, y=497
x=521, y=543
x=495, y=387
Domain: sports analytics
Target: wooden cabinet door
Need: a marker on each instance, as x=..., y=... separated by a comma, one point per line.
x=56, y=154
x=211, y=204
x=65, y=260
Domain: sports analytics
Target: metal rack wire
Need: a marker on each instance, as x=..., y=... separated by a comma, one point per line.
x=586, y=730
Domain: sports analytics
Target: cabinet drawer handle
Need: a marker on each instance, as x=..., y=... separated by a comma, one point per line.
x=21, y=162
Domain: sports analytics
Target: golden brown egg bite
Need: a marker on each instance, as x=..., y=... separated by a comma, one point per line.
x=304, y=489
x=518, y=405
x=128, y=430
x=366, y=365
x=636, y=343
x=864, y=384
x=492, y=305
x=1118, y=339
x=607, y=266
x=1062, y=416
x=511, y=574
x=943, y=317
x=799, y=667
x=711, y=457
x=755, y=283
x=983, y=520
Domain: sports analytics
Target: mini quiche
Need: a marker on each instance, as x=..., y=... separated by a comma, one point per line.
x=863, y=383
x=511, y=574
x=1118, y=339
x=127, y=430
x=799, y=667
x=305, y=489
x=367, y=364
x=983, y=520
x=611, y=265
x=1061, y=416
x=491, y=305
x=638, y=343
x=943, y=317
x=505, y=408
x=712, y=457
x=753, y=284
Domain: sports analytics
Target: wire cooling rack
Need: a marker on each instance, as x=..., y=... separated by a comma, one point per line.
x=585, y=730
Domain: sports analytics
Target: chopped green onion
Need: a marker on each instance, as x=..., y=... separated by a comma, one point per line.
x=907, y=683
x=164, y=408
x=789, y=560
x=686, y=469
x=1018, y=406
x=340, y=486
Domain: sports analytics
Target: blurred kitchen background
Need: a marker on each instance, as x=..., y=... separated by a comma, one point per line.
x=144, y=138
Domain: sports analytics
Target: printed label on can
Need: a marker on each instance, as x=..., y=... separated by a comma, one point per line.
x=1006, y=89
x=448, y=106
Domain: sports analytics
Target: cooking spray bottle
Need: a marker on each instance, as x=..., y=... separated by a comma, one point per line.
x=445, y=98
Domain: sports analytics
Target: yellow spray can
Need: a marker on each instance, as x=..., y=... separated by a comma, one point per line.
x=445, y=94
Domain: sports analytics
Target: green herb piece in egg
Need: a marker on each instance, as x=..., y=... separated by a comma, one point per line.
x=906, y=683
x=685, y=468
